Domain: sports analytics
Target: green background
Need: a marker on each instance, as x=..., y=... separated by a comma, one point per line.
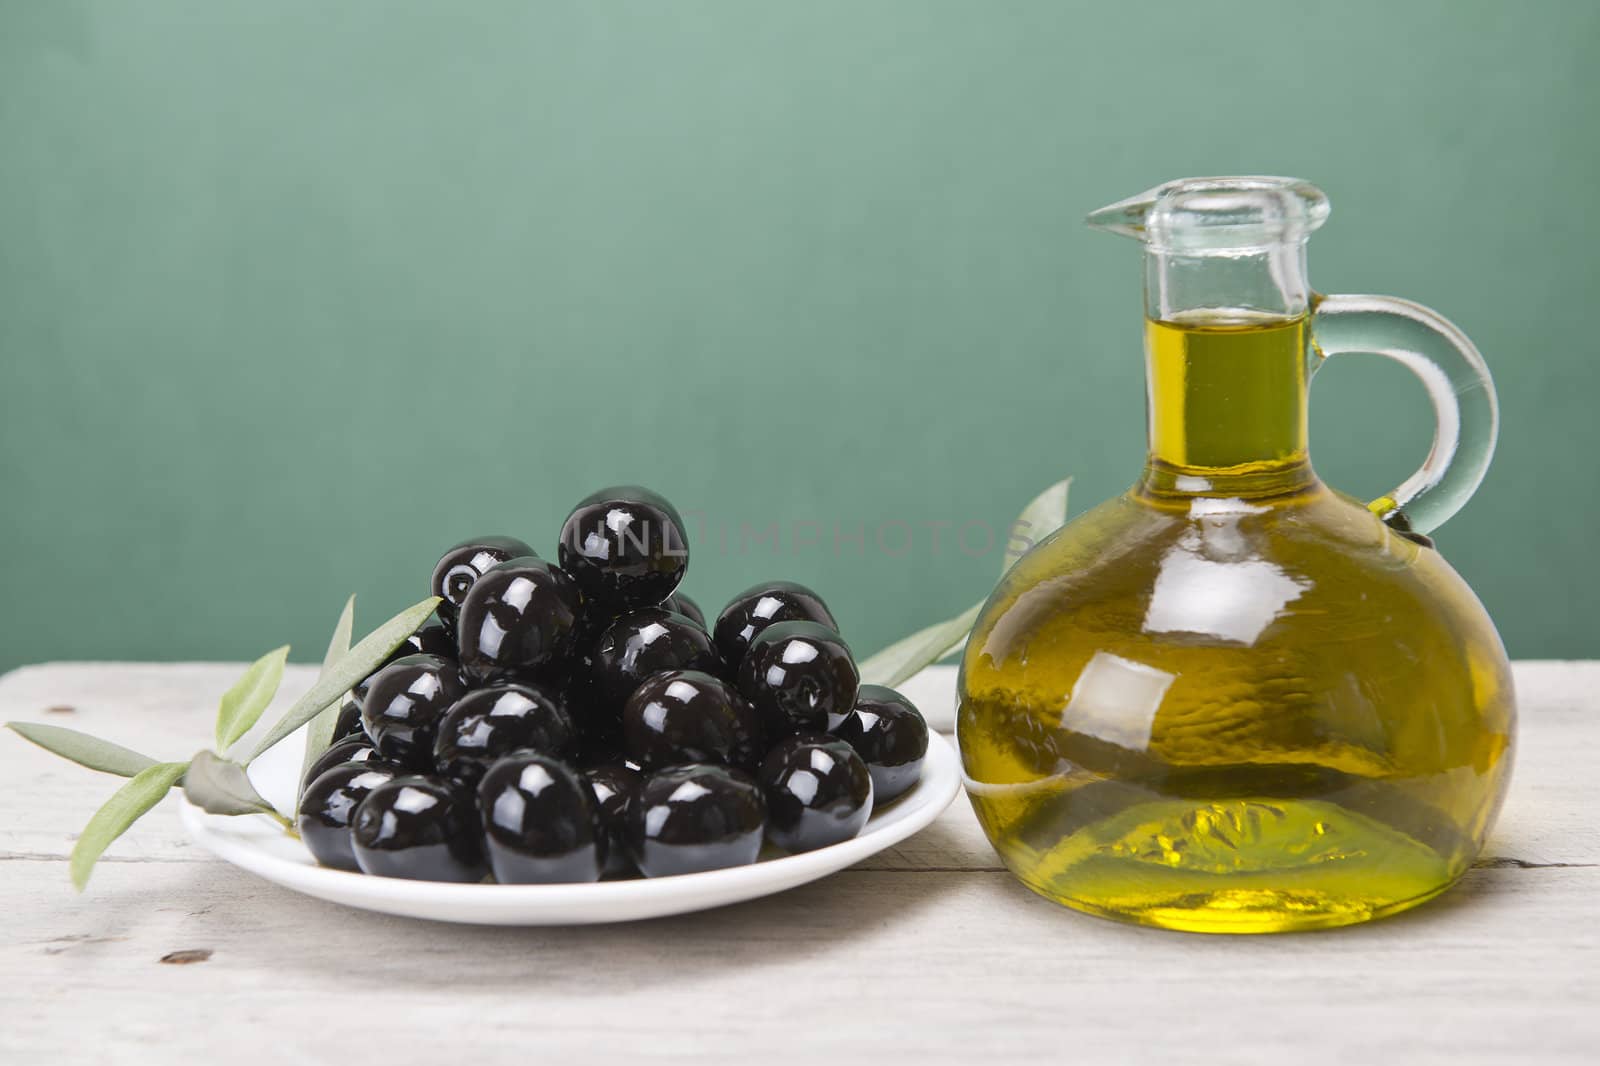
x=293, y=295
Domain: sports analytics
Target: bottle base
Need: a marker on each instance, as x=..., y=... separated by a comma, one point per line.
x=1240, y=910
x=1254, y=865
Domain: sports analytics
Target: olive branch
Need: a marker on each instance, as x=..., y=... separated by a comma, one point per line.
x=211, y=779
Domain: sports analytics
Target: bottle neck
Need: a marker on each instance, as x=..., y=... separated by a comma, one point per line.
x=1227, y=404
x=1226, y=347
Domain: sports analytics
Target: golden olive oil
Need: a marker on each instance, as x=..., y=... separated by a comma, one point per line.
x=1253, y=368
x=1232, y=700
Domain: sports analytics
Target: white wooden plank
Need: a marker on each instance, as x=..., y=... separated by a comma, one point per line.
x=927, y=950
x=935, y=967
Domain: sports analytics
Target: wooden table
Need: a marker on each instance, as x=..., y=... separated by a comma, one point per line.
x=926, y=953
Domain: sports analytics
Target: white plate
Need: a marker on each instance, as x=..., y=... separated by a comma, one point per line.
x=256, y=845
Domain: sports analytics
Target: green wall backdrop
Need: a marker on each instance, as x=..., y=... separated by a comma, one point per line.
x=292, y=295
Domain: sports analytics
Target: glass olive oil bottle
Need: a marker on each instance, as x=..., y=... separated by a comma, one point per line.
x=1232, y=699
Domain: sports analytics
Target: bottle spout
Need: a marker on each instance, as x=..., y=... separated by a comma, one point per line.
x=1200, y=216
x=1125, y=217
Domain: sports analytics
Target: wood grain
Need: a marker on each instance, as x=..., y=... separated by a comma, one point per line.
x=928, y=950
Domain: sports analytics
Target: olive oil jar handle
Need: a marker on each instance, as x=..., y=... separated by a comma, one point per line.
x=1466, y=413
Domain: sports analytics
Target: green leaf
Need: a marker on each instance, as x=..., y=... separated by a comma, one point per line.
x=131, y=801
x=319, y=734
x=83, y=749
x=1045, y=514
x=243, y=703
x=352, y=666
x=218, y=786
x=905, y=657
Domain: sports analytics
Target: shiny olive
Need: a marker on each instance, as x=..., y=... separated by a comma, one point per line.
x=461, y=566
x=430, y=639
x=351, y=749
x=599, y=725
x=625, y=547
x=348, y=724
x=758, y=607
x=328, y=806
x=571, y=679
x=488, y=723
x=539, y=822
x=613, y=785
x=889, y=734
x=598, y=758
x=818, y=792
x=404, y=705
x=420, y=828
x=796, y=674
x=600, y=735
x=647, y=642
x=681, y=604
x=693, y=818
x=682, y=716
x=594, y=619
x=518, y=616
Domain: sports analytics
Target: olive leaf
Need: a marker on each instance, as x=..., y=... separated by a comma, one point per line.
x=218, y=786
x=242, y=704
x=351, y=667
x=908, y=655
x=211, y=782
x=131, y=801
x=903, y=659
x=319, y=733
x=83, y=749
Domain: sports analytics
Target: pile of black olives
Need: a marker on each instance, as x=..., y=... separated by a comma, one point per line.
x=571, y=720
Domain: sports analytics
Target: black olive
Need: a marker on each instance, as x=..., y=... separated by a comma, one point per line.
x=571, y=680
x=818, y=792
x=647, y=642
x=539, y=822
x=430, y=639
x=404, y=705
x=625, y=547
x=889, y=734
x=678, y=603
x=492, y=722
x=420, y=828
x=599, y=725
x=460, y=567
x=600, y=738
x=758, y=607
x=614, y=784
x=348, y=724
x=682, y=716
x=351, y=749
x=359, y=693
x=796, y=674
x=694, y=818
x=598, y=758
x=328, y=805
x=518, y=616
